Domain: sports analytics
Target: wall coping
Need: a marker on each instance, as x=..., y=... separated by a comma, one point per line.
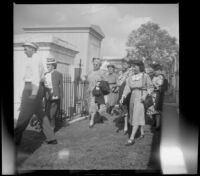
x=44, y=41
x=114, y=59
x=93, y=29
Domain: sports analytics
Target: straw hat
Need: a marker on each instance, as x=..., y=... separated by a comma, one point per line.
x=51, y=60
x=31, y=44
x=110, y=65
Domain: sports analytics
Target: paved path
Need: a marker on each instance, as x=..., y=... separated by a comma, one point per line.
x=82, y=148
x=179, y=143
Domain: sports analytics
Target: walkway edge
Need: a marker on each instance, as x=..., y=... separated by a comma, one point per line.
x=78, y=119
x=170, y=104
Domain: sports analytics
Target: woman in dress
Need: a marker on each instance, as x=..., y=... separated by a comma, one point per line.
x=121, y=82
x=139, y=84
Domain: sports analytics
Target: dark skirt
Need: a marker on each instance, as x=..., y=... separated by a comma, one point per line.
x=121, y=89
x=159, y=101
x=126, y=100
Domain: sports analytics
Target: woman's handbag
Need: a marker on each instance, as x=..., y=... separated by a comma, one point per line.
x=105, y=88
x=148, y=100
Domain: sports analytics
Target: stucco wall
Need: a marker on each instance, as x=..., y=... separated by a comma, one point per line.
x=80, y=40
x=87, y=41
x=94, y=49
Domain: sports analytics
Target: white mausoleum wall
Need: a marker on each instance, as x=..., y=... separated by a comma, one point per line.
x=94, y=50
x=81, y=41
x=86, y=39
x=78, y=39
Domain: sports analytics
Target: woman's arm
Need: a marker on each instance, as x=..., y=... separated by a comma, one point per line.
x=147, y=85
x=127, y=89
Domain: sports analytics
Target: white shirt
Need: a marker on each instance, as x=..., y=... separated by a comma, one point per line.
x=48, y=80
x=28, y=76
x=157, y=81
x=34, y=71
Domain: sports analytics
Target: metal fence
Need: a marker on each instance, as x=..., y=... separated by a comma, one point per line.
x=74, y=100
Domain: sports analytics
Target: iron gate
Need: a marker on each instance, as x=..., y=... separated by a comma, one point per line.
x=74, y=100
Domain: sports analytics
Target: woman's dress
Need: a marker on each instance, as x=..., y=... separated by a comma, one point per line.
x=139, y=85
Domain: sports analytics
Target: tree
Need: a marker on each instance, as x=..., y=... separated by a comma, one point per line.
x=152, y=42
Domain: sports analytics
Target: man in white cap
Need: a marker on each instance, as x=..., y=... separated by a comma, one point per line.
x=53, y=90
x=32, y=95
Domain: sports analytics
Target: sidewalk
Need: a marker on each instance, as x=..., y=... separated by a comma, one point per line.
x=178, y=151
x=169, y=146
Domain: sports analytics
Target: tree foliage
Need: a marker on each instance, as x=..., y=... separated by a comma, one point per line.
x=152, y=42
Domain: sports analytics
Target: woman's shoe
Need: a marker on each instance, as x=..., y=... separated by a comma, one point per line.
x=125, y=132
x=130, y=142
x=141, y=136
x=157, y=128
x=117, y=131
x=91, y=126
x=51, y=142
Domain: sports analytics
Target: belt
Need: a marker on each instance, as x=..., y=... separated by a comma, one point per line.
x=113, y=83
x=46, y=88
x=137, y=88
x=28, y=82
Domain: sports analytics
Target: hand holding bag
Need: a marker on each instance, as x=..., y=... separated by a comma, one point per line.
x=148, y=99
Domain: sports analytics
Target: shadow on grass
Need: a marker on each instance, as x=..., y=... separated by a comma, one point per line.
x=99, y=118
x=119, y=123
x=32, y=140
x=60, y=123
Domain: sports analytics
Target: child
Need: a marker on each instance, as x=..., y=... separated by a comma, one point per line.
x=98, y=94
x=99, y=99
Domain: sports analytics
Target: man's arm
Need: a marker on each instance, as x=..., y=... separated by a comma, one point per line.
x=38, y=75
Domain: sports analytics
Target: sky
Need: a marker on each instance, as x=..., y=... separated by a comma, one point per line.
x=115, y=20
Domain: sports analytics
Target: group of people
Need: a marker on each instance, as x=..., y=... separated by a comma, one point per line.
x=43, y=89
x=126, y=90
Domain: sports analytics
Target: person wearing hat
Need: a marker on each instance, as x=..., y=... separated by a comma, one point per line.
x=111, y=78
x=53, y=84
x=121, y=82
x=32, y=95
x=148, y=67
x=94, y=77
x=139, y=85
x=158, y=93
